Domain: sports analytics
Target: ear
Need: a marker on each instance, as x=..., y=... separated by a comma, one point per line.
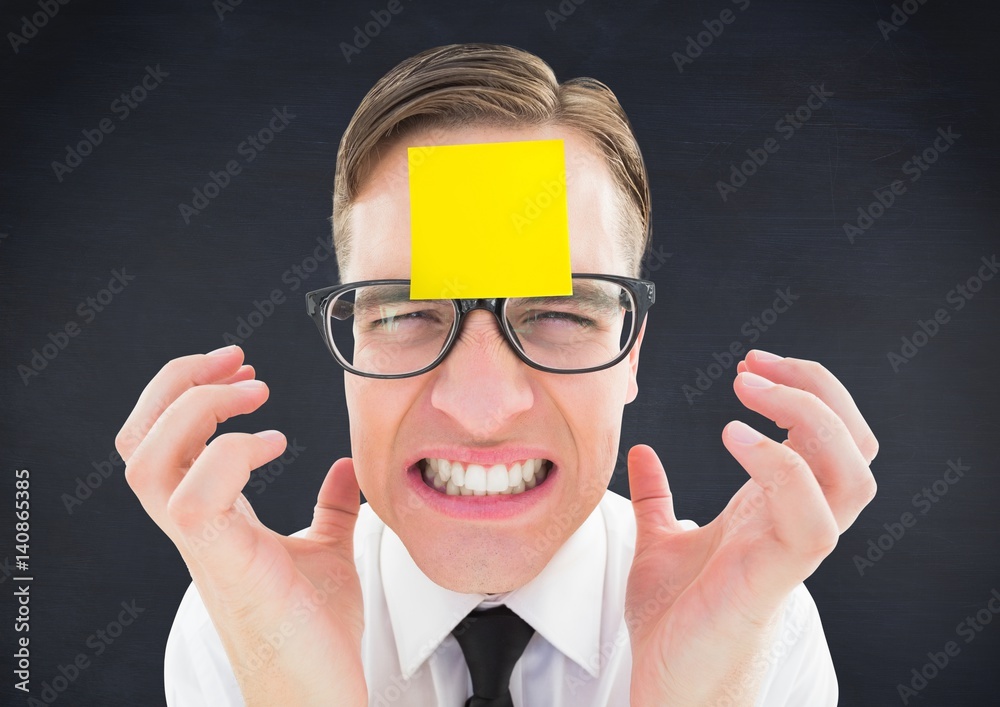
x=633, y=365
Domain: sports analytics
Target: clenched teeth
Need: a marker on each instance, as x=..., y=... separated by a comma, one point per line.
x=455, y=478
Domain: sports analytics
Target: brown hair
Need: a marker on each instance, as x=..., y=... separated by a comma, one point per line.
x=496, y=85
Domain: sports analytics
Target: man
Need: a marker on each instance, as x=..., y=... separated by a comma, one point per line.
x=485, y=459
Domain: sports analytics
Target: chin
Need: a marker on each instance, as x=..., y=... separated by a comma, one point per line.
x=488, y=567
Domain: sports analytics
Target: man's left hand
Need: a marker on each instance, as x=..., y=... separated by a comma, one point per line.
x=702, y=605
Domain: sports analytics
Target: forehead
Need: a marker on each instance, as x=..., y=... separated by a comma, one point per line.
x=379, y=220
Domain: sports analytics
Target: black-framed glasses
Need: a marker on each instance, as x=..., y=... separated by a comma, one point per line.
x=374, y=329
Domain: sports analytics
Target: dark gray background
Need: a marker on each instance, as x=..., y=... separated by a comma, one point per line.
x=784, y=228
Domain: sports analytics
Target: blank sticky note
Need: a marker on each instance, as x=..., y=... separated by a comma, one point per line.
x=489, y=220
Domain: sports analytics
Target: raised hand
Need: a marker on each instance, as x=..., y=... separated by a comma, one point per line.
x=709, y=598
x=255, y=583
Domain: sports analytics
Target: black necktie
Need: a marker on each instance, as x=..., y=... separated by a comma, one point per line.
x=492, y=641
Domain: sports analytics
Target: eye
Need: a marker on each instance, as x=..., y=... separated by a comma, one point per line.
x=553, y=315
x=394, y=318
x=394, y=321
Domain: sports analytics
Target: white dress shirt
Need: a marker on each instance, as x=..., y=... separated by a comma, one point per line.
x=579, y=656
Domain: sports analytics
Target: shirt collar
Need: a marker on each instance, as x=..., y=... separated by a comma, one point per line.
x=563, y=602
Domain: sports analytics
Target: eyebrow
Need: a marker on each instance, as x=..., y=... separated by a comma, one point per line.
x=377, y=295
x=593, y=298
x=381, y=296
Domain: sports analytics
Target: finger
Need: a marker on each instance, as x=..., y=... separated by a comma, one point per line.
x=337, y=504
x=793, y=501
x=649, y=490
x=245, y=372
x=741, y=366
x=204, y=510
x=179, y=436
x=166, y=386
x=819, y=435
x=815, y=378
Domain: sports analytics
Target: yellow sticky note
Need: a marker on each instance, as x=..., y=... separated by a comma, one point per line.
x=489, y=220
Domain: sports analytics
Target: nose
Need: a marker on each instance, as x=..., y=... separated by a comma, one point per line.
x=482, y=385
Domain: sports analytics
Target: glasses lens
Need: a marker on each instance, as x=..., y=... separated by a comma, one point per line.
x=379, y=329
x=589, y=328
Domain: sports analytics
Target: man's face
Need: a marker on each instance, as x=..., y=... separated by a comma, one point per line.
x=482, y=404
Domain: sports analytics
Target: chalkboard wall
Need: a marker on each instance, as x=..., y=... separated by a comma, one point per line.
x=842, y=155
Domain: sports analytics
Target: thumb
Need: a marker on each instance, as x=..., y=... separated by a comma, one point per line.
x=337, y=505
x=649, y=490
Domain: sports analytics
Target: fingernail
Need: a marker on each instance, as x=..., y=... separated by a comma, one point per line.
x=223, y=350
x=270, y=435
x=744, y=434
x=755, y=381
x=249, y=385
x=759, y=355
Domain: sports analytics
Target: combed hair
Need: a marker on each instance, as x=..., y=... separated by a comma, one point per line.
x=495, y=85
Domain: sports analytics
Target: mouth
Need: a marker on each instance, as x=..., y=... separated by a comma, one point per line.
x=456, y=478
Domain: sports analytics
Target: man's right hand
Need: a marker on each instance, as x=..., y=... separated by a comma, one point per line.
x=258, y=586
